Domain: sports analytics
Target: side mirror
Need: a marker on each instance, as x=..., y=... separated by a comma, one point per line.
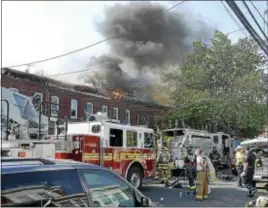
x=145, y=202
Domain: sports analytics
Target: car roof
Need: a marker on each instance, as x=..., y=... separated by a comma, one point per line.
x=20, y=167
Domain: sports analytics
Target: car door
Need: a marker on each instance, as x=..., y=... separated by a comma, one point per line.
x=108, y=189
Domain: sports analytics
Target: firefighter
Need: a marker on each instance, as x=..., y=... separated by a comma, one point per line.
x=190, y=164
x=202, y=175
x=239, y=157
x=248, y=172
x=163, y=160
x=215, y=157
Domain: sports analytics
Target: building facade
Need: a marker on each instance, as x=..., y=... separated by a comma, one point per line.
x=76, y=102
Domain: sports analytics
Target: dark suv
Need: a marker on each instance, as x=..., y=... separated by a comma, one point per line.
x=53, y=183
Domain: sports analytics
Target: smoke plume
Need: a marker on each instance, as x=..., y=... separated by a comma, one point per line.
x=150, y=37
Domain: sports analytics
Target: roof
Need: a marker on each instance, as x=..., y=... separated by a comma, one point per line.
x=73, y=87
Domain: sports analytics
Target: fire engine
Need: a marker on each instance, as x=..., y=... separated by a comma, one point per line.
x=128, y=150
x=184, y=141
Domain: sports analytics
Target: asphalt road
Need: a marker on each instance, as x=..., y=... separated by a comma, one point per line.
x=223, y=194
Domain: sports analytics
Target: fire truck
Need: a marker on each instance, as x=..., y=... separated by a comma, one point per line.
x=127, y=150
x=182, y=142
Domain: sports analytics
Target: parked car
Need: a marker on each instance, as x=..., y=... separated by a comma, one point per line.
x=63, y=183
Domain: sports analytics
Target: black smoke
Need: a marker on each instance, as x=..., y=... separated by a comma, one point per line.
x=150, y=37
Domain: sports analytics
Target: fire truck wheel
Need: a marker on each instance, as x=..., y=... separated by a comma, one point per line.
x=135, y=176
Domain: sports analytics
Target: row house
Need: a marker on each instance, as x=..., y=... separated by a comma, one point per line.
x=76, y=102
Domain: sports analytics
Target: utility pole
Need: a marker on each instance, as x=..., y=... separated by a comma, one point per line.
x=265, y=14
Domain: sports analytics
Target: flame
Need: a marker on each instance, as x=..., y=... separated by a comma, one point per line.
x=117, y=94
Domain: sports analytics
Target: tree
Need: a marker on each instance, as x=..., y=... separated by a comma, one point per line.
x=219, y=86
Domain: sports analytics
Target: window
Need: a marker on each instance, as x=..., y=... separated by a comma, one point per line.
x=89, y=109
x=148, y=140
x=73, y=108
x=215, y=139
x=115, y=114
x=55, y=101
x=28, y=186
x=107, y=189
x=116, y=137
x=132, y=139
x=96, y=128
x=137, y=119
x=128, y=116
x=104, y=109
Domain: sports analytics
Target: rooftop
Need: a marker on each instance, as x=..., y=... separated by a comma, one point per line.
x=74, y=87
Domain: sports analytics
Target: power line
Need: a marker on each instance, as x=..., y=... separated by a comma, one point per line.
x=253, y=17
x=86, y=47
x=65, y=54
x=259, y=12
x=234, y=19
x=98, y=66
x=247, y=25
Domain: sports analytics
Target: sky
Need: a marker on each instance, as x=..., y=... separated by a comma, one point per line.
x=36, y=30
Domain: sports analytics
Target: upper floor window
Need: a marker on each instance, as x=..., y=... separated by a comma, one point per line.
x=104, y=109
x=115, y=113
x=89, y=108
x=74, y=105
x=138, y=119
x=55, y=101
x=128, y=116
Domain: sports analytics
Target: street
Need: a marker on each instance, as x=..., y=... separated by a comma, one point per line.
x=223, y=194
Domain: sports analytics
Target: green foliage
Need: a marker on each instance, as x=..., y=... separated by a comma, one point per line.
x=219, y=85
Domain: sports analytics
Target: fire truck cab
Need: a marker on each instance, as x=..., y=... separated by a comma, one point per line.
x=224, y=144
x=127, y=150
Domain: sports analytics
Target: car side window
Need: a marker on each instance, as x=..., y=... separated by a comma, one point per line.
x=107, y=189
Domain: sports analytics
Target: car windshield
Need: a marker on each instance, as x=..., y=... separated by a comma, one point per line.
x=108, y=190
x=37, y=188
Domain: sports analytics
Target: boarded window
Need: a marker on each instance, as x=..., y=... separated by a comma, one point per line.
x=132, y=139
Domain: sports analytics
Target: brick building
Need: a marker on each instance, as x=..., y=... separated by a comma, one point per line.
x=75, y=102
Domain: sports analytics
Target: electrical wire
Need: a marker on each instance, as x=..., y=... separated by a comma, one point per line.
x=234, y=20
x=86, y=47
x=253, y=17
x=247, y=25
x=98, y=66
x=259, y=12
